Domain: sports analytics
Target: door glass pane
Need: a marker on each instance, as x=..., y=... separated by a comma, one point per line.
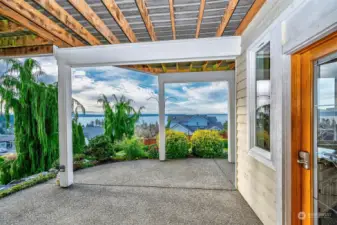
x=262, y=127
x=325, y=158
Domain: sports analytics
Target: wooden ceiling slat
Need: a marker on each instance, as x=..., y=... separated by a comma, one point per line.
x=13, y=15
x=91, y=16
x=226, y=17
x=201, y=15
x=29, y=12
x=7, y=26
x=173, y=23
x=255, y=8
x=21, y=41
x=26, y=51
x=52, y=7
x=146, y=18
x=117, y=14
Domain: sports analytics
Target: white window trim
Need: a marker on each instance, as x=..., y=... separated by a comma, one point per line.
x=262, y=155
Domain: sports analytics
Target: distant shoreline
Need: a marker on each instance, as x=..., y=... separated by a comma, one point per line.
x=144, y=115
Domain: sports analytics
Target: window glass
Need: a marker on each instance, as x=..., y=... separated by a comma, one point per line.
x=262, y=115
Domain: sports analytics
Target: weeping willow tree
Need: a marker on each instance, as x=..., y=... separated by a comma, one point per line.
x=34, y=106
x=119, y=117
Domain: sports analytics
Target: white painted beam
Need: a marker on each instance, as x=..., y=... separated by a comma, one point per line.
x=152, y=52
x=65, y=125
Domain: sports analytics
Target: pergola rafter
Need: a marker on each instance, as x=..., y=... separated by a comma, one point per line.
x=201, y=15
x=9, y=13
x=95, y=20
x=117, y=14
x=227, y=16
x=146, y=18
x=30, y=13
x=22, y=41
x=52, y=7
x=7, y=27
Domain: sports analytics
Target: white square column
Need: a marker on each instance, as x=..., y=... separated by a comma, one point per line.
x=65, y=124
x=231, y=121
x=162, y=138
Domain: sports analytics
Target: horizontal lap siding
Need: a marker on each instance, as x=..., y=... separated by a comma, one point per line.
x=256, y=182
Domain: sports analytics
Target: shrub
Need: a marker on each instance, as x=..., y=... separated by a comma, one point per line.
x=79, y=157
x=225, y=143
x=153, y=152
x=6, y=174
x=101, y=148
x=207, y=144
x=78, y=137
x=132, y=147
x=176, y=144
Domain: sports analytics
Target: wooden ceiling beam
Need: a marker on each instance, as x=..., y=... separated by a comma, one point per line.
x=52, y=7
x=13, y=15
x=22, y=41
x=191, y=66
x=226, y=17
x=117, y=14
x=29, y=12
x=96, y=22
x=26, y=51
x=173, y=23
x=7, y=26
x=201, y=15
x=255, y=8
x=146, y=18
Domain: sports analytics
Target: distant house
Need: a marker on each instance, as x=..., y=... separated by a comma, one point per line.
x=190, y=123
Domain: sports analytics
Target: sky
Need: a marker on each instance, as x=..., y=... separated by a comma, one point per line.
x=183, y=98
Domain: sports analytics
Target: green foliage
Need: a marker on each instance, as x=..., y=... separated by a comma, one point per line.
x=37, y=180
x=34, y=106
x=176, y=144
x=132, y=147
x=79, y=157
x=225, y=143
x=6, y=170
x=119, y=118
x=207, y=144
x=78, y=137
x=101, y=148
x=153, y=152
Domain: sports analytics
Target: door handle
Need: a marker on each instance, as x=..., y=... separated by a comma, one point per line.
x=304, y=159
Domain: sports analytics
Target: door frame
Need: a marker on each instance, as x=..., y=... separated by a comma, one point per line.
x=302, y=123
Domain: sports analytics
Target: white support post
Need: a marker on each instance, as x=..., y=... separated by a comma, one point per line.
x=65, y=125
x=231, y=121
x=162, y=138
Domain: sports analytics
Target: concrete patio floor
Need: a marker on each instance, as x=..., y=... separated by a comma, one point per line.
x=149, y=192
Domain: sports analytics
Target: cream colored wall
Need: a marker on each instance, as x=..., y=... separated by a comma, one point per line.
x=256, y=182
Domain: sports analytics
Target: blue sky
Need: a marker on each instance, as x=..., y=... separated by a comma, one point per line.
x=89, y=83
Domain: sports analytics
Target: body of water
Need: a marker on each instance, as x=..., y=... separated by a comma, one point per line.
x=147, y=118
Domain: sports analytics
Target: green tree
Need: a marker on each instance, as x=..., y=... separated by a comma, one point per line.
x=78, y=135
x=119, y=117
x=34, y=106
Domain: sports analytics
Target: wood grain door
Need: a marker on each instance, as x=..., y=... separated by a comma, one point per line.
x=314, y=131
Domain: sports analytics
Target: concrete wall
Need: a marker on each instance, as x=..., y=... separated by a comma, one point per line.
x=256, y=182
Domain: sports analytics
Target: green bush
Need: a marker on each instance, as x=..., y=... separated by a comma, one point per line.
x=101, y=148
x=79, y=157
x=207, y=144
x=6, y=174
x=225, y=143
x=78, y=137
x=132, y=147
x=176, y=144
x=153, y=152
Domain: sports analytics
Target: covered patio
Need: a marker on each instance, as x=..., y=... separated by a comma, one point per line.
x=192, y=191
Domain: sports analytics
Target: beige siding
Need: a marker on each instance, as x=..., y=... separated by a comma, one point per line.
x=256, y=182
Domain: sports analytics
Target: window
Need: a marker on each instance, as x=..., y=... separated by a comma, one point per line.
x=260, y=103
x=262, y=98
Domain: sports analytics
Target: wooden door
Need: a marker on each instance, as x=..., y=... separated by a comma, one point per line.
x=307, y=132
